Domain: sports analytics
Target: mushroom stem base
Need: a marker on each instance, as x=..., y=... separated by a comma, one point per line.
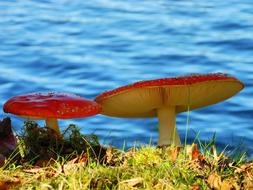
x=167, y=126
x=52, y=123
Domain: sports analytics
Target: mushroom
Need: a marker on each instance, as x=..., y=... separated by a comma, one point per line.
x=50, y=107
x=8, y=141
x=164, y=98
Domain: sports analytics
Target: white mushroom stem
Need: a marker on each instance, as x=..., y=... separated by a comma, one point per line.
x=53, y=124
x=167, y=126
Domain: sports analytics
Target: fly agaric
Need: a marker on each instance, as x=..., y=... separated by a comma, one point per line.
x=50, y=107
x=164, y=98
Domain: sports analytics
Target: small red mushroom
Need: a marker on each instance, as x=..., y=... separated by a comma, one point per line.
x=8, y=141
x=50, y=107
x=164, y=98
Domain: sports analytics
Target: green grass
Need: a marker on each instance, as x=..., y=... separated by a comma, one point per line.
x=78, y=162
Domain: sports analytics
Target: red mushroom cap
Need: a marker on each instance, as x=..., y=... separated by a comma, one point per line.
x=182, y=80
x=142, y=99
x=51, y=105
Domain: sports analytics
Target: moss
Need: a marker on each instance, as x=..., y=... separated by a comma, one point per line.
x=42, y=143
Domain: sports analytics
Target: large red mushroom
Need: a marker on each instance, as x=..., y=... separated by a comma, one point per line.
x=50, y=107
x=164, y=98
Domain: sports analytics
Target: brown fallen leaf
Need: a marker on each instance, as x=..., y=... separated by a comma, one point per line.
x=173, y=152
x=195, y=186
x=193, y=152
x=245, y=168
x=3, y=186
x=248, y=183
x=81, y=160
x=10, y=183
x=229, y=184
x=226, y=186
x=214, y=181
x=196, y=154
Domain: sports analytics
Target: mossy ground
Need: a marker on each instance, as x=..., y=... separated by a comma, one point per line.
x=41, y=143
x=77, y=161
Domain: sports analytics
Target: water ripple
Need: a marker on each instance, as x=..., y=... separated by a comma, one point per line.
x=87, y=47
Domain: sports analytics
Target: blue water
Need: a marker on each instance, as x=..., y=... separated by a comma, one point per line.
x=87, y=47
